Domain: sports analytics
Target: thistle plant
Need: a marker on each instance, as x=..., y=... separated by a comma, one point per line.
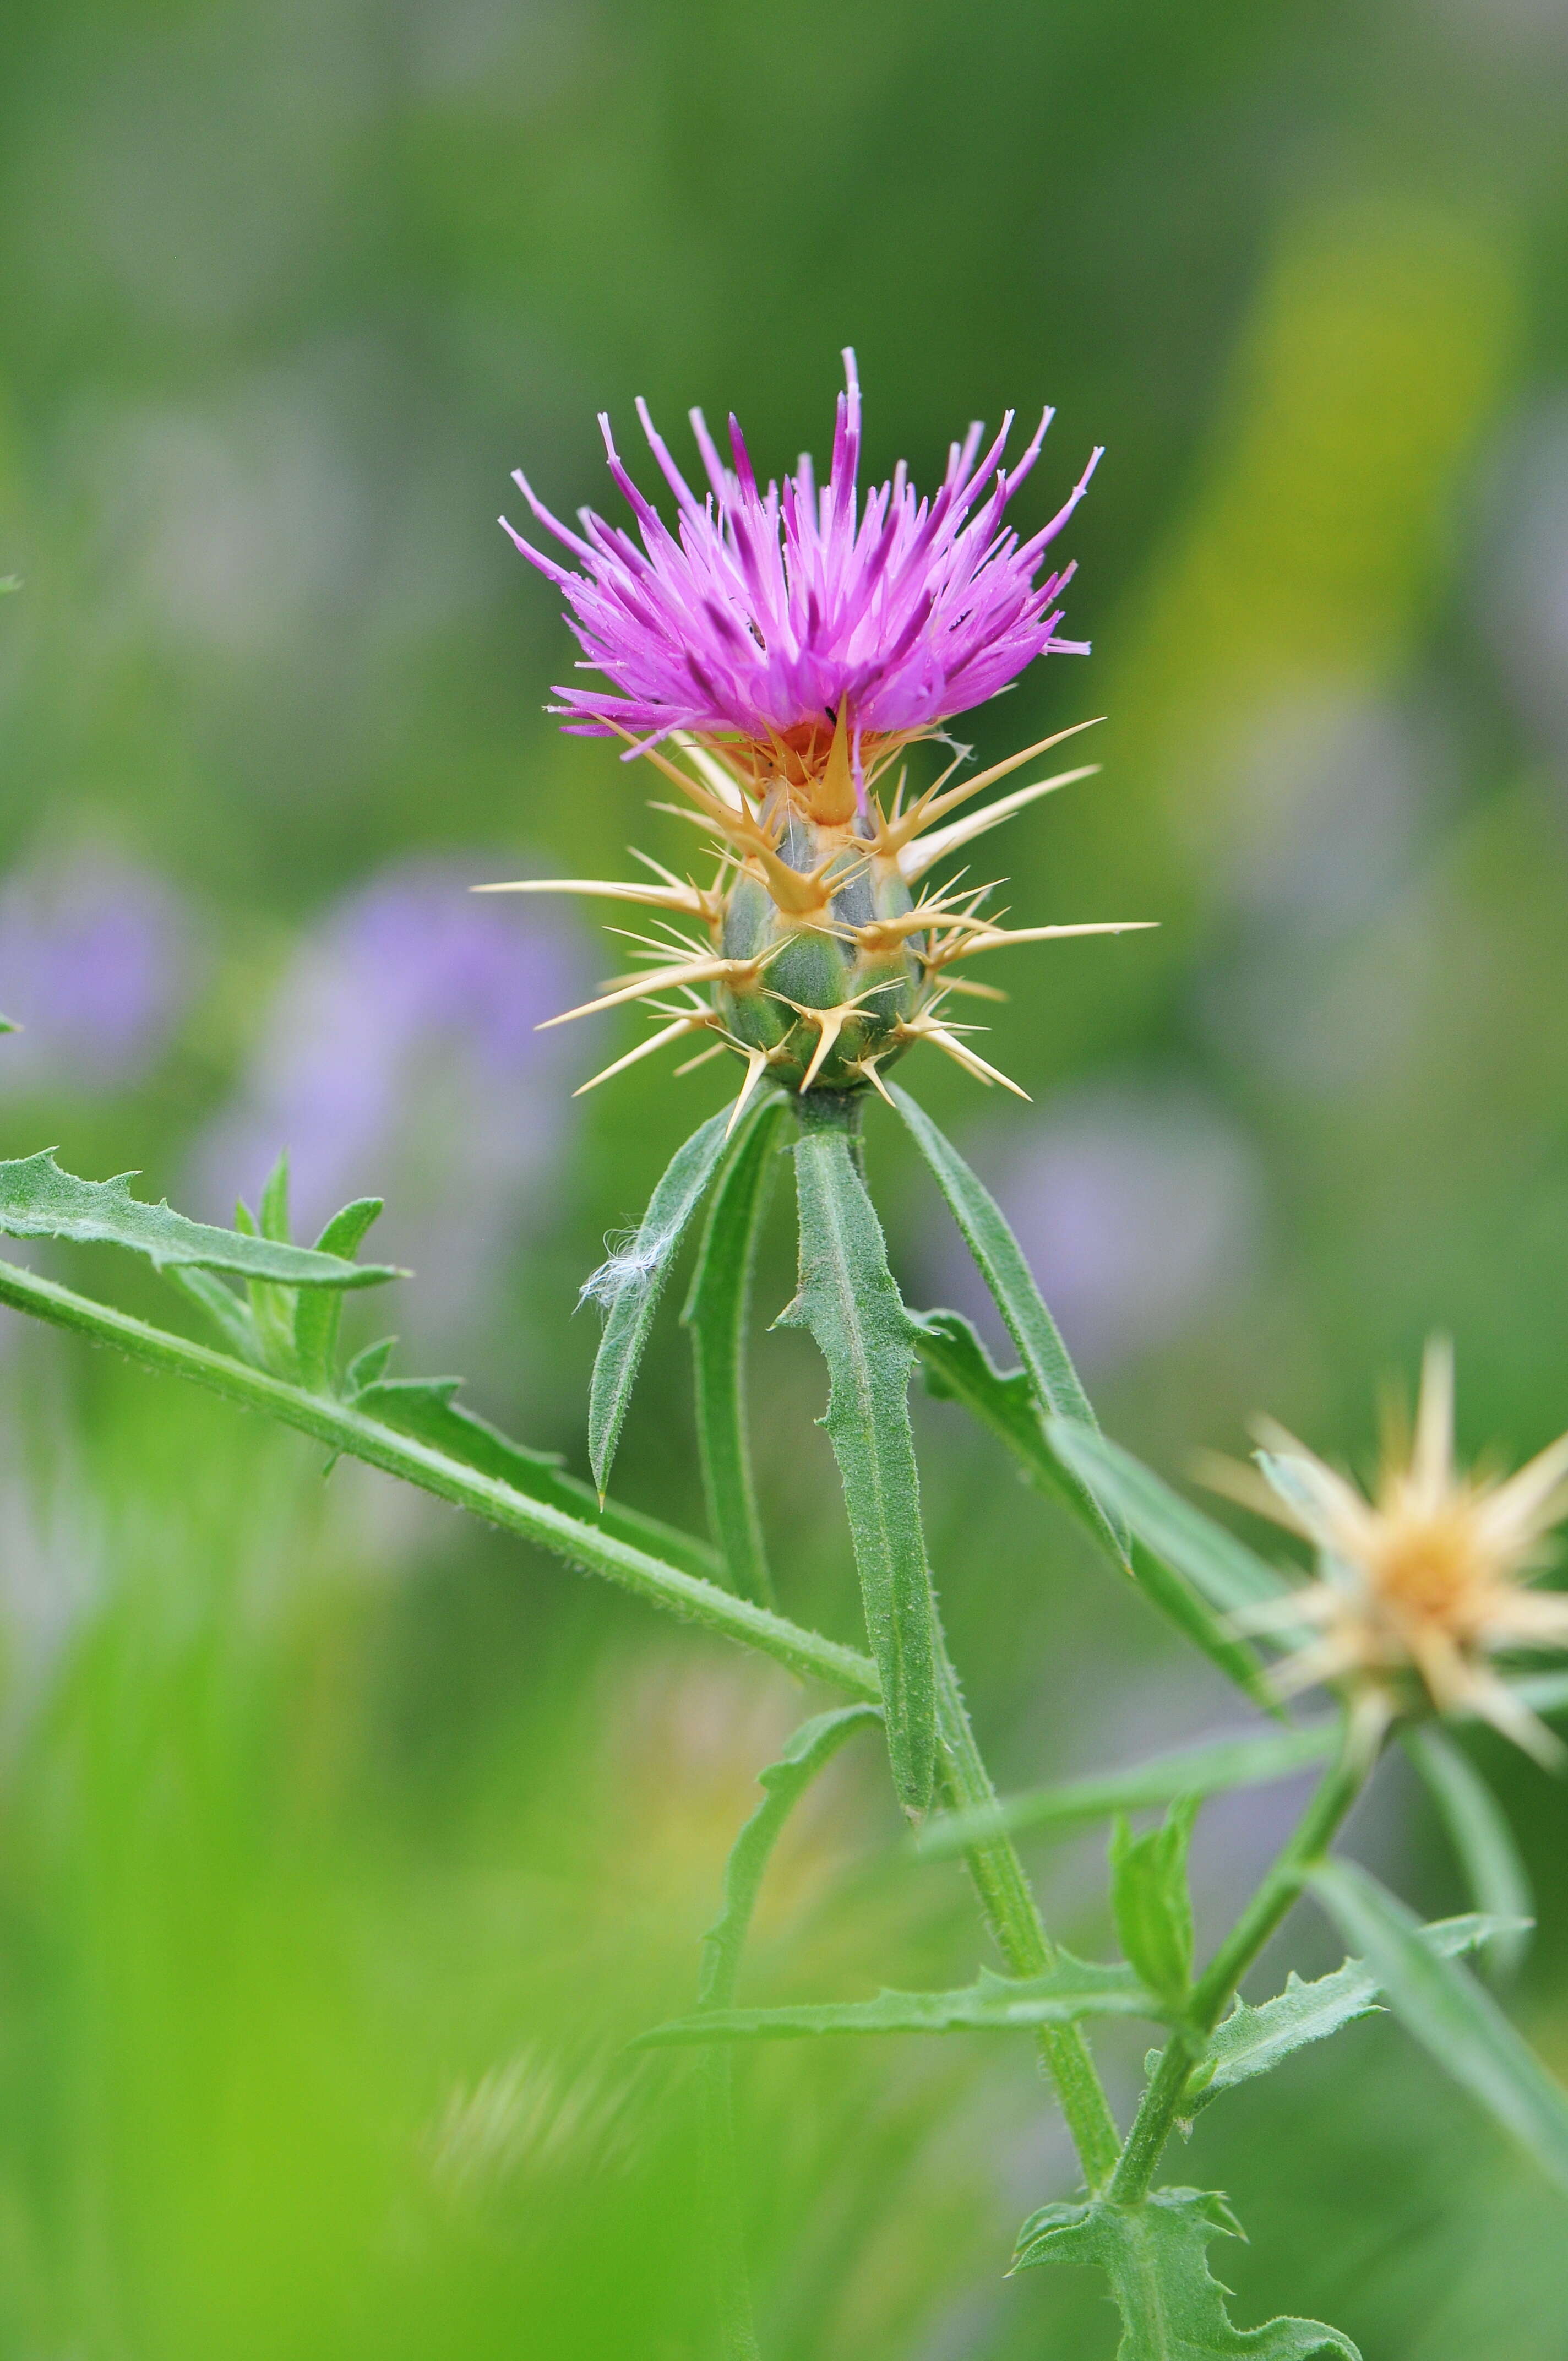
x=784, y=659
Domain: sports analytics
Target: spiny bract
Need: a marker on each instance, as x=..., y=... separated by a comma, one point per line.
x=781, y=655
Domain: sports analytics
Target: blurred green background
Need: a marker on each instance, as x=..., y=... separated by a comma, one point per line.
x=342, y=1846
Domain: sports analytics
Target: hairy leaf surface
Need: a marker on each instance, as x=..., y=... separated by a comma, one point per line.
x=427, y=1408
x=631, y=1283
x=1155, y=2255
x=1151, y=1904
x=1251, y=2041
x=38, y=1201
x=849, y=1302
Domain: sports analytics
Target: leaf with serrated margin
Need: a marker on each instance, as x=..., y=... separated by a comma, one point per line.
x=717, y=1313
x=426, y=1408
x=1449, y=2013
x=318, y=1316
x=849, y=1300
x=630, y=1284
x=957, y=1367
x=1151, y=1904
x=38, y=1201
x=1155, y=2255
x=1483, y=1841
x=1073, y=1989
x=1253, y=2042
x=1208, y=1770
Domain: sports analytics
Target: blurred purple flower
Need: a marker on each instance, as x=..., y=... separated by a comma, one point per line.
x=777, y=611
x=400, y=1060
x=96, y=966
x=1133, y=1207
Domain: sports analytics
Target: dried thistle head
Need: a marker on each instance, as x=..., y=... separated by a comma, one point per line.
x=1426, y=1580
x=775, y=659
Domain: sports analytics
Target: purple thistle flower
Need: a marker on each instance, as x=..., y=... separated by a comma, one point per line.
x=785, y=615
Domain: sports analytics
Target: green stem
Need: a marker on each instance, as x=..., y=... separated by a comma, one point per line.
x=1012, y=1915
x=341, y=1428
x=1314, y=1832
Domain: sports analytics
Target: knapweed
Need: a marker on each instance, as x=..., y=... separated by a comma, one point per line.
x=775, y=656
x=1424, y=1582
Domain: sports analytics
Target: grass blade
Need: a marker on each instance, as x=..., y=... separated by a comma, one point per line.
x=717, y=1313
x=1449, y=2013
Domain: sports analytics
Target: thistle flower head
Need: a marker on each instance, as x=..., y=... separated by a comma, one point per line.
x=773, y=658
x=771, y=617
x=1426, y=1578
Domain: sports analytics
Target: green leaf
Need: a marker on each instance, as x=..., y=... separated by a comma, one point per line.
x=1001, y=1264
x=849, y=1302
x=1482, y=1840
x=425, y=1407
x=5, y=1024
x=272, y=1306
x=368, y=1366
x=318, y=1316
x=1253, y=2042
x=230, y=1314
x=1155, y=2255
x=340, y=1428
x=38, y=1201
x=957, y=1367
x=1151, y=1904
x=1449, y=2014
x=1071, y=1990
x=717, y=1313
x=630, y=1284
x=783, y=1783
x=1206, y=1769
x=1230, y=1576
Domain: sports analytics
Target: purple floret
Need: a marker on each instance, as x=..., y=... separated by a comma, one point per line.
x=773, y=611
